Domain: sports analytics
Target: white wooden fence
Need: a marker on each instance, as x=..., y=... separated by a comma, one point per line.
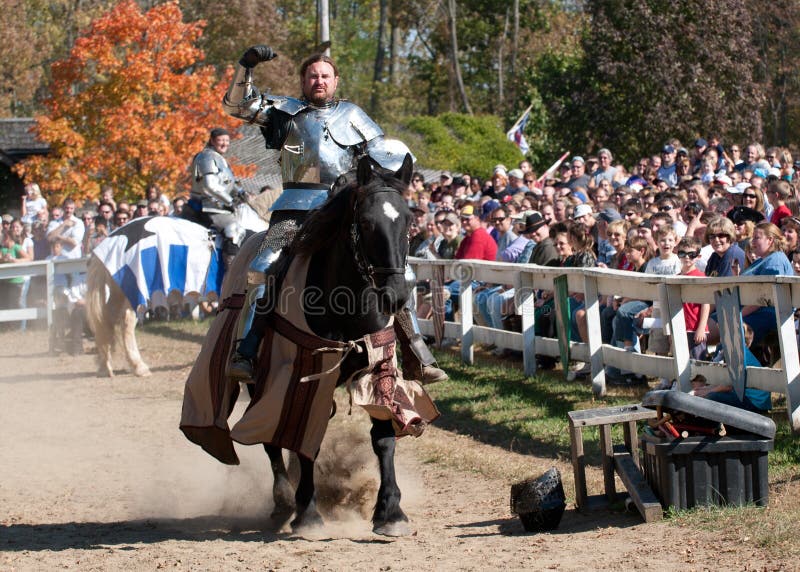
x=780, y=292
x=47, y=268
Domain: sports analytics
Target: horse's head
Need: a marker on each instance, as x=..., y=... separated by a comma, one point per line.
x=379, y=231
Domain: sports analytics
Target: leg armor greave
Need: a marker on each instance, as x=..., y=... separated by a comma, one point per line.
x=407, y=328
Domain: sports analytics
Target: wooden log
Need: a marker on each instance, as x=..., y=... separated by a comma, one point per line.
x=640, y=492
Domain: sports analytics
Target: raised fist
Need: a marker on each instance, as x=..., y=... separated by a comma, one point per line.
x=257, y=54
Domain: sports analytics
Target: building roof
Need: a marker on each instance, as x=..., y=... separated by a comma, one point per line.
x=17, y=142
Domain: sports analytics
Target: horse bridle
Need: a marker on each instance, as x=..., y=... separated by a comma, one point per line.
x=367, y=270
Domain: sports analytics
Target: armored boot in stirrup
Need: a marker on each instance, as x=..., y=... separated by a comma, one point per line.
x=418, y=362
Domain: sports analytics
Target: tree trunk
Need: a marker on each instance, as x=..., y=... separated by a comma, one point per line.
x=377, y=76
x=512, y=91
x=451, y=4
x=501, y=90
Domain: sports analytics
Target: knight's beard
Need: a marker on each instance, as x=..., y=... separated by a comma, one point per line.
x=319, y=99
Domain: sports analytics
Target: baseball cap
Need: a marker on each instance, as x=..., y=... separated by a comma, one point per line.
x=516, y=173
x=723, y=180
x=668, y=149
x=521, y=216
x=7, y=218
x=489, y=207
x=580, y=195
x=701, y=143
x=467, y=211
x=578, y=159
x=581, y=210
x=739, y=188
x=609, y=215
x=452, y=218
x=445, y=175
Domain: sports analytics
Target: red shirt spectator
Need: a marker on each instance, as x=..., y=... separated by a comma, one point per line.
x=478, y=243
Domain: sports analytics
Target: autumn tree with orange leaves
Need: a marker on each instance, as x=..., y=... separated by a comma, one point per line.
x=129, y=107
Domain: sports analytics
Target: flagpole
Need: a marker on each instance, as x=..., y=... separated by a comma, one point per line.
x=521, y=117
x=552, y=168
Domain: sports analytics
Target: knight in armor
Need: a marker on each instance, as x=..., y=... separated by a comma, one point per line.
x=213, y=191
x=320, y=138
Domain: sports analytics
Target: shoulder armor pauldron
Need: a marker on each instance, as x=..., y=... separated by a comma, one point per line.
x=289, y=105
x=350, y=125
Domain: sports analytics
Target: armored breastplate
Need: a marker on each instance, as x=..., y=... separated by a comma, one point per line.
x=322, y=142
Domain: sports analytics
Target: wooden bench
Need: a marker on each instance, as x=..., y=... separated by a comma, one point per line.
x=622, y=458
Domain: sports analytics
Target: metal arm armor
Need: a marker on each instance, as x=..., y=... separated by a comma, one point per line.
x=212, y=178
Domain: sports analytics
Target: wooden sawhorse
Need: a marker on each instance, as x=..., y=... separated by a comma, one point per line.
x=623, y=458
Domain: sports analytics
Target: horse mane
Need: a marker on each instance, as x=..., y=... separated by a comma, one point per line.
x=331, y=222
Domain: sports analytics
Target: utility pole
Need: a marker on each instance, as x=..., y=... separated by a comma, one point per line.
x=324, y=23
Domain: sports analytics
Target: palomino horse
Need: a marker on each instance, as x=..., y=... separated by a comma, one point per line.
x=165, y=254
x=353, y=253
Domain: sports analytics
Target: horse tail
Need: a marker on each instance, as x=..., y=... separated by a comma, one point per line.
x=100, y=318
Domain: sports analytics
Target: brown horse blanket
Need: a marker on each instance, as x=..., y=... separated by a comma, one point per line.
x=296, y=374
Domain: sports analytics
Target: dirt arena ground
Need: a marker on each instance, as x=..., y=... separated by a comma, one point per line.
x=95, y=475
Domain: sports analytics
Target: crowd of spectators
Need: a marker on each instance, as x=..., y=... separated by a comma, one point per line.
x=705, y=210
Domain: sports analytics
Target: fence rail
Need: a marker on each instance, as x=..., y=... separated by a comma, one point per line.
x=780, y=292
x=47, y=268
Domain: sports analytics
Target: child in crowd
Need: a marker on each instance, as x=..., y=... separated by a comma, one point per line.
x=757, y=400
x=695, y=315
x=630, y=317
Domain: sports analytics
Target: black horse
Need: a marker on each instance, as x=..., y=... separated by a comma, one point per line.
x=357, y=242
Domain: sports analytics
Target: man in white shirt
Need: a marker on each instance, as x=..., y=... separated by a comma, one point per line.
x=68, y=231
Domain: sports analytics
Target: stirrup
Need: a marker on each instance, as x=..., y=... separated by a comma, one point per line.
x=240, y=368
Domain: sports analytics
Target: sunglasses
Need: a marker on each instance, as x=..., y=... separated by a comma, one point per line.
x=720, y=236
x=615, y=234
x=499, y=219
x=665, y=208
x=749, y=196
x=688, y=253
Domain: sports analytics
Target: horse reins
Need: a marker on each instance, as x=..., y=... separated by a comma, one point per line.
x=364, y=266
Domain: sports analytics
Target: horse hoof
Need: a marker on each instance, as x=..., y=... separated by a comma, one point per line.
x=142, y=371
x=307, y=524
x=393, y=529
x=105, y=373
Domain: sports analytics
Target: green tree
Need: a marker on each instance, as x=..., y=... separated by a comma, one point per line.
x=653, y=71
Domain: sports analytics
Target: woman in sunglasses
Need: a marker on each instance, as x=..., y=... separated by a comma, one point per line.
x=753, y=198
x=721, y=235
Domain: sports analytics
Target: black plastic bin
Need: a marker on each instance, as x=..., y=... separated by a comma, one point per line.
x=696, y=471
